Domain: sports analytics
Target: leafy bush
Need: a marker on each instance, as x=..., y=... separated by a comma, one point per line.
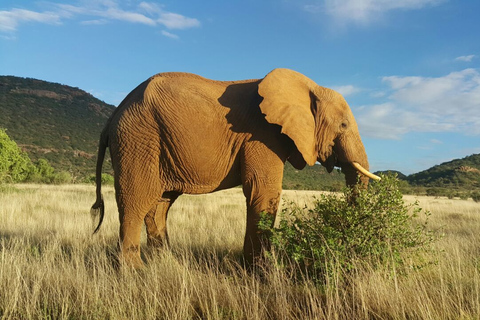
x=371, y=226
x=62, y=177
x=15, y=164
x=43, y=172
x=476, y=196
x=106, y=179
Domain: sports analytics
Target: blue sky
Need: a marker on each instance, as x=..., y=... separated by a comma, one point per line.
x=410, y=69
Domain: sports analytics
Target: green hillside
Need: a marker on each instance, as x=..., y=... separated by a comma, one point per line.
x=456, y=174
x=48, y=120
x=312, y=178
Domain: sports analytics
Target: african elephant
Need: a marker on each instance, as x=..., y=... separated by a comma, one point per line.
x=181, y=133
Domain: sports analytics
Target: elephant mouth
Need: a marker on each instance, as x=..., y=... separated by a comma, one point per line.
x=332, y=161
x=365, y=172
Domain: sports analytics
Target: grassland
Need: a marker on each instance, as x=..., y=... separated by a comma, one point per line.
x=52, y=267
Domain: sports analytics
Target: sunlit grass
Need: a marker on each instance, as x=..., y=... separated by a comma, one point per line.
x=52, y=267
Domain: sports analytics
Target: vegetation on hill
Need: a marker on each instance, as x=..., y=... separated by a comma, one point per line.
x=312, y=178
x=52, y=121
x=456, y=178
x=14, y=163
x=16, y=166
x=453, y=174
x=396, y=173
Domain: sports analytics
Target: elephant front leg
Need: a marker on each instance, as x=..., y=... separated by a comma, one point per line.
x=156, y=221
x=261, y=199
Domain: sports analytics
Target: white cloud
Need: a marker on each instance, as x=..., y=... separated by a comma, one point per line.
x=465, y=58
x=170, y=35
x=346, y=90
x=177, y=21
x=94, y=22
x=378, y=94
x=133, y=17
x=98, y=12
x=169, y=19
x=9, y=20
x=150, y=7
x=424, y=104
x=364, y=11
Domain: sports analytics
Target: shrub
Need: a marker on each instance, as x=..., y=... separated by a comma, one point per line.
x=434, y=192
x=15, y=165
x=43, y=172
x=106, y=179
x=476, y=196
x=62, y=177
x=376, y=228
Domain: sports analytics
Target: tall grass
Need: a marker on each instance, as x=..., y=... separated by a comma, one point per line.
x=52, y=267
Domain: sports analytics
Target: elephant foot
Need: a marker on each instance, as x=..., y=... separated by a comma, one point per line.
x=156, y=243
x=254, y=256
x=130, y=258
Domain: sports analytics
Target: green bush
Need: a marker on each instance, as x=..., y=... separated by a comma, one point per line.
x=371, y=226
x=43, y=172
x=62, y=177
x=15, y=164
x=106, y=179
x=476, y=196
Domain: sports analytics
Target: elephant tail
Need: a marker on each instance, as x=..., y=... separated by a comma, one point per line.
x=98, y=207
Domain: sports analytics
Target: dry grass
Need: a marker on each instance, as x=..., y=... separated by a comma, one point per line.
x=51, y=267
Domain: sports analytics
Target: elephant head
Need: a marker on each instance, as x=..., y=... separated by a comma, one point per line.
x=319, y=122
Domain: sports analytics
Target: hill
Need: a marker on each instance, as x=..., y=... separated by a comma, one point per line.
x=57, y=122
x=312, y=178
x=399, y=175
x=456, y=174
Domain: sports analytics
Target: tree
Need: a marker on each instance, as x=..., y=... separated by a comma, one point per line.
x=15, y=164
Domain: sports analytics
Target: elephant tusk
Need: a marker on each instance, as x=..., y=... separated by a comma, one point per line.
x=365, y=172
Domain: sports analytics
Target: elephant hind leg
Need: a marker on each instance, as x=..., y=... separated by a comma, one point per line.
x=133, y=208
x=156, y=221
x=130, y=230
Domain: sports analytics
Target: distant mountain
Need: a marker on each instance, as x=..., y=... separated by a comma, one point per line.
x=48, y=120
x=460, y=173
x=312, y=178
x=399, y=175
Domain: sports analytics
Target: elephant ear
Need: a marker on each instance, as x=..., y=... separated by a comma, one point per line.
x=287, y=102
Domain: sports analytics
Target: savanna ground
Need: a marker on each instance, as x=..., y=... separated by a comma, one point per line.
x=52, y=267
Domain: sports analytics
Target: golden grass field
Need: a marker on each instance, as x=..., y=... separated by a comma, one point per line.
x=52, y=267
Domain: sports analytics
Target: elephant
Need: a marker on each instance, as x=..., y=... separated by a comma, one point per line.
x=180, y=133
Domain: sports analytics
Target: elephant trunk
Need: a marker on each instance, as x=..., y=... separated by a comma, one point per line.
x=353, y=161
x=353, y=176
